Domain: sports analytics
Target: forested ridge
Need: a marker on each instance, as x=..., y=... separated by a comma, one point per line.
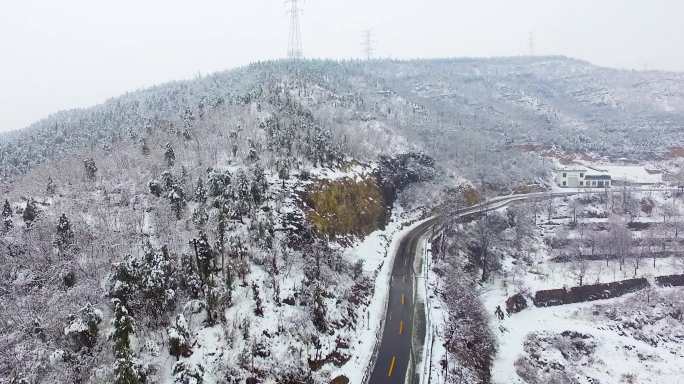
x=196, y=232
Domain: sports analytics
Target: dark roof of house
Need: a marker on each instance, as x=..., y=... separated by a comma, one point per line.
x=597, y=177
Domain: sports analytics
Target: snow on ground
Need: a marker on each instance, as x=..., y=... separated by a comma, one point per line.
x=354, y=171
x=637, y=174
x=623, y=340
x=436, y=317
x=377, y=250
x=631, y=173
x=619, y=355
x=551, y=275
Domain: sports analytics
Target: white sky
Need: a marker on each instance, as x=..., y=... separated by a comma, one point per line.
x=59, y=54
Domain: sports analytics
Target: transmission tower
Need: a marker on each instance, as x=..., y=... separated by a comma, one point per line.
x=294, y=49
x=367, y=43
x=531, y=42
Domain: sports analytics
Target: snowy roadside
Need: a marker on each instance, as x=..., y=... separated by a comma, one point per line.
x=435, y=319
x=617, y=355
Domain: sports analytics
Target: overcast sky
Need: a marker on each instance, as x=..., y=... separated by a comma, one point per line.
x=61, y=54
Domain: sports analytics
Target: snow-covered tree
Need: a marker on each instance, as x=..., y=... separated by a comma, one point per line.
x=177, y=199
x=7, y=216
x=65, y=235
x=259, y=184
x=82, y=331
x=179, y=338
x=186, y=372
x=127, y=369
x=51, y=188
x=30, y=212
x=217, y=182
x=144, y=148
x=205, y=258
x=169, y=155
x=258, y=305
x=146, y=284
x=200, y=216
x=90, y=169
x=200, y=192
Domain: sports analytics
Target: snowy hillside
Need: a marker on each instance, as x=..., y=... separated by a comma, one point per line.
x=241, y=227
x=466, y=113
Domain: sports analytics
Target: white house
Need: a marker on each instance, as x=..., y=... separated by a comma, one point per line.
x=580, y=177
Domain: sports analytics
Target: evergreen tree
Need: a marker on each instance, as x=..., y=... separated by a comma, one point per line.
x=144, y=148
x=200, y=216
x=206, y=265
x=6, y=210
x=226, y=265
x=125, y=368
x=51, y=187
x=183, y=179
x=168, y=181
x=242, y=187
x=217, y=182
x=259, y=185
x=169, y=155
x=186, y=372
x=190, y=280
x=146, y=284
x=179, y=338
x=30, y=212
x=200, y=192
x=204, y=256
x=90, y=169
x=83, y=329
x=126, y=371
x=7, y=216
x=258, y=306
x=253, y=154
x=155, y=188
x=123, y=329
x=283, y=171
x=65, y=236
x=188, y=119
x=177, y=200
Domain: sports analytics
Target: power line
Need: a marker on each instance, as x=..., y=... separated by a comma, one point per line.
x=367, y=44
x=294, y=49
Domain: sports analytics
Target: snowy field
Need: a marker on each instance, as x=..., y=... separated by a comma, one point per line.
x=636, y=338
x=627, y=340
x=631, y=173
x=632, y=339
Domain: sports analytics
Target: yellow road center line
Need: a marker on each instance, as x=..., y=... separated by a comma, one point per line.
x=401, y=327
x=403, y=299
x=391, y=368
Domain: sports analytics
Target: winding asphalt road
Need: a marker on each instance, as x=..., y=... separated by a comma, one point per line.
x=395, y=361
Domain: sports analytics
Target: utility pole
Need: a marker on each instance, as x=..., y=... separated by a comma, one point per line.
x=294, y=49
x=367, y=44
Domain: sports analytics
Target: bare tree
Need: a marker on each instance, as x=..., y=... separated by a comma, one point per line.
x=519, y=217
x=484, y=236
x=550, y=209
x=620, y=238
x=574, y=206
x=579, y=265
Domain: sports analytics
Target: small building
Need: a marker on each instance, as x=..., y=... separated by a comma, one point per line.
x=580, y=177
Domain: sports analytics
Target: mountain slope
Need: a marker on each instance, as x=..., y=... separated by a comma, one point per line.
x=200, y=231
x=452, y=109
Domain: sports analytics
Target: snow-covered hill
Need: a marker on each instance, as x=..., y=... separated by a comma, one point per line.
x=236, y=227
